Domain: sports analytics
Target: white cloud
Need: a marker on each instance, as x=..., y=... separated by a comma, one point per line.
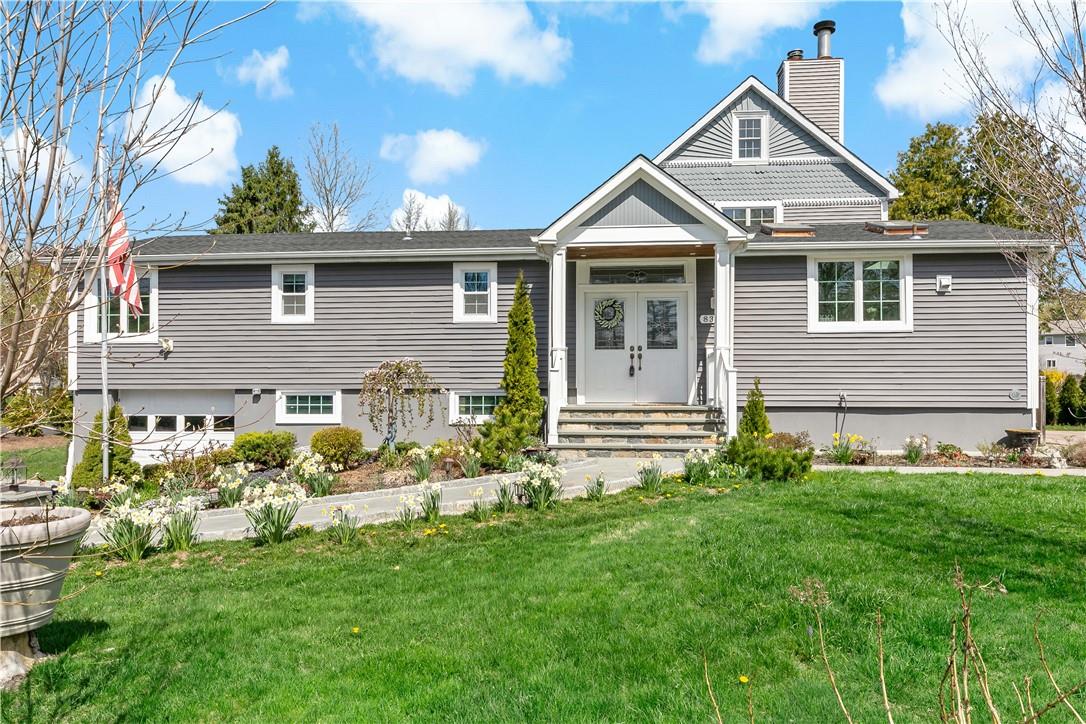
x=446, y=44
x=432, y=156
x=925, y=80
x=736, y=30
x=202, y=152
x=266, y=72
x=433, y=208
x=27, y=162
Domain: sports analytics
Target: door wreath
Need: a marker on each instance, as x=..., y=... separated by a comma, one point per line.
x=608, y=313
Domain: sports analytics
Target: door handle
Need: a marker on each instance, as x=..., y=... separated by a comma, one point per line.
x=631, y=361
x=638, y=357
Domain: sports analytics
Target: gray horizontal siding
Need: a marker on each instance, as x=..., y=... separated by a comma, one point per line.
x=219, y=318
x=640, y=205
x=831, y=214
x=786, y=138
x=967, y=350
x=814, y=89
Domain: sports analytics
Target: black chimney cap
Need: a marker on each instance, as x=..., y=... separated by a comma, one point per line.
x=796, y=54
x=825, y=25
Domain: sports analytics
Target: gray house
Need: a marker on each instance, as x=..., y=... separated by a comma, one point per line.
x=1061, y=346
x=754, y=245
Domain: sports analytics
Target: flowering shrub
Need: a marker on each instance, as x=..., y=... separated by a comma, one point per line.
x=506, y=498
x=698, y=466
x=650, y=477
x=230, y=481
x=916, y=447
x=129, y=531
x=479, y=511
x=408, y=511
x=595, y=488
x=179, y=528
x=271, y=509
x=541, y=485
x=343, y=527
x=308, y=469
x=421, y=463
x=471, y=463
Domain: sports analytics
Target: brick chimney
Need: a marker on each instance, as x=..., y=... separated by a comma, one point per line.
x=816, y=86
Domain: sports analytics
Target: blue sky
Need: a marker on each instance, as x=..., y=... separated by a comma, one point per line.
x=516, y=112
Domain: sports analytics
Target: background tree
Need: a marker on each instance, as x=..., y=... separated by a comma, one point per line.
x=1037, y=159
x=267, y=201
x=1053, y=380
x=1072, y=402
x=454, y=219
x=519, y=414
x=338, y=183
x=81, y=119
x=411, y=216
x=932, y=177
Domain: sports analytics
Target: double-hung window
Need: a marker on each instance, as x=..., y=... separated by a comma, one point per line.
x=859, y=295
x=749, y=137
x=292, y=294
x=308, y=407
x=475, y=292
x=123, y=322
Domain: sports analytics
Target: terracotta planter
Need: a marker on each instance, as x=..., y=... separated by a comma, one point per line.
x=33, y=562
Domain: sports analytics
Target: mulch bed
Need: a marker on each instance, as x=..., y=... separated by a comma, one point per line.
x=939, y=461
x=374, y=476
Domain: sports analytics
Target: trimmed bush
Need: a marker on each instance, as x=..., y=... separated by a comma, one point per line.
x=270, y=449
x=88, y=473
x=519, y=414
x=29, y=414
x=762, y=462
x=755, y=422
x=338, y=445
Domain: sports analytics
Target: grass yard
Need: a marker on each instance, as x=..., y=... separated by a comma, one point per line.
x=599, y=611
x=44, y=456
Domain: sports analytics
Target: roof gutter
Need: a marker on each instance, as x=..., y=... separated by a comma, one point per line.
x=412, y=255
x=797, y=245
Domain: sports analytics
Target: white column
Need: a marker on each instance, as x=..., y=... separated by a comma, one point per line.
x=556, y=340
x=723, y=366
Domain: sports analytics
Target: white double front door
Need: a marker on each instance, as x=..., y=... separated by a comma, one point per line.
x=636, y=346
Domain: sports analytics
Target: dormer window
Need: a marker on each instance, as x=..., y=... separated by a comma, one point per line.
x=749, y=134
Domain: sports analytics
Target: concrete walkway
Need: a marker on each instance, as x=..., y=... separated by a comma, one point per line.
x=379, y=506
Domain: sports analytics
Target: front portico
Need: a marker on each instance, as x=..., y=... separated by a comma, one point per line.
x=633, y=318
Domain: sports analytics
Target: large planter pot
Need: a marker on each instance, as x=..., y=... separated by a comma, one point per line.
x=33, y=562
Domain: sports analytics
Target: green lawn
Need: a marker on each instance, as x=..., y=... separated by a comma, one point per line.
x=594, y=612
x=48, y=462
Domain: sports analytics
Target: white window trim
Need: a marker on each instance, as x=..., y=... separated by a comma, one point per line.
x=282, y=418
x=905, y=324
x=762, y=116
x=778, y=207
x=1049, y=340
x=491, y=317
x=455, y=418
x=92, y=314
x=277, y=272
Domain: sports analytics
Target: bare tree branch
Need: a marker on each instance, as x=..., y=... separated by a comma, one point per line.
x=338, y=183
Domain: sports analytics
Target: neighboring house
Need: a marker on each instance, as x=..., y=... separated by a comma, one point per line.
x=1063, y=346
x=755, y=245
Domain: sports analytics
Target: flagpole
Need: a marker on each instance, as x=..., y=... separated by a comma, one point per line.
x=103, y=330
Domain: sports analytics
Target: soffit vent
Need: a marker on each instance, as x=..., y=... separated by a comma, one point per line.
x=897, y=228
x=795, y=230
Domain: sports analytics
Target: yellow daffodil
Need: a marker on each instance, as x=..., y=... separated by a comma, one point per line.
x=97, y=574
x=744, y=679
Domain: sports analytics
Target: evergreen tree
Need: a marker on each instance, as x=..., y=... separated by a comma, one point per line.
x=1052, y=397
x=268, y=200
x=755, y=421
x=517, y=417
x=932, y=176
x=1071, y=402
x=88, y=473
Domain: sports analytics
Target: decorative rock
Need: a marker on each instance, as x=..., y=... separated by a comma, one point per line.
x=17, y=654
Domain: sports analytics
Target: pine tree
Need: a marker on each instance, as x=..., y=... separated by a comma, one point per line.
x=755, y=421
x=932, y=176
x=1052, y=397
x=517, y=417
x=88, y=473
x=268, y=200
x=1071, y=402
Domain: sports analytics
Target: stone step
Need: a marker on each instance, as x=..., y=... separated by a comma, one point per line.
x=637, y=437
x=663, y=424
x=644, y=412
x=574, y=451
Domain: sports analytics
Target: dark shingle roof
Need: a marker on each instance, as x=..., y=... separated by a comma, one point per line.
x=937, y=231
x=345, y=242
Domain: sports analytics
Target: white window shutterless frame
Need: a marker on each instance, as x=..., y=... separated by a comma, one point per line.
x=475, y=292
x=122, y=322
x=292, y=294
x=855, y=292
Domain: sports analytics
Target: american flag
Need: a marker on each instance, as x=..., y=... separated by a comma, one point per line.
x=122, y=274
